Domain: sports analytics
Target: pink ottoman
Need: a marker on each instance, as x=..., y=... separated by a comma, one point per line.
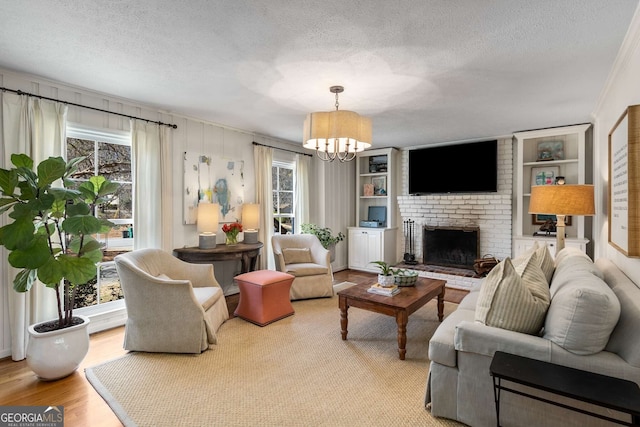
x=264, y=296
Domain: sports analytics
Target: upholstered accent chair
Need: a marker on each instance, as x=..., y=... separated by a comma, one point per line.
x=303, y=256
x=172, y=306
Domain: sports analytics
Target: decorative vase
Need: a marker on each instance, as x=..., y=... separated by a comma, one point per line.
x=386, y=281
x=56, y=354
x=231, y=240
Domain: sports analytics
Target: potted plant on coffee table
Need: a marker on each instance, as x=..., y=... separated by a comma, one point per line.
x=385, y=277
x=50, y=240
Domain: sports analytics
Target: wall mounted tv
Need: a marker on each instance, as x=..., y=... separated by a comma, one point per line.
x=457, y=168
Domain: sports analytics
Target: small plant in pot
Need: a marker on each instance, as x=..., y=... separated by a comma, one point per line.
x=50, y=240
x=385, y=277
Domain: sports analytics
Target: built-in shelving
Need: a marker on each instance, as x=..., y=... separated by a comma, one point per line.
x=563, y=151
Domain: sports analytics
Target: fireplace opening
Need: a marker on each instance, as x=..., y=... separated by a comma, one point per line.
x=456, y=247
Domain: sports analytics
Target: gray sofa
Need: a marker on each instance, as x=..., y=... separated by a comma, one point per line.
x=460, y=386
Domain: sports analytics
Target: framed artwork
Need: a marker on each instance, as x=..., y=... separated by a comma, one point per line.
x=624, y=183
x=368, y=190
x=379, y=185
x=550, y=150
x=544, y=175
x=216, y=180
x=539, y=219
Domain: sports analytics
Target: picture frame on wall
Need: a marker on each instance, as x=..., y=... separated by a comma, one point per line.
x=624, y=183
x=544, y=175
x=379, y=185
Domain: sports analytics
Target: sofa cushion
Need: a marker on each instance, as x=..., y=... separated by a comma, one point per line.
x=583, y=312
x=296, y=255
x=571, y=262
x=570, y=251
x=510, y=301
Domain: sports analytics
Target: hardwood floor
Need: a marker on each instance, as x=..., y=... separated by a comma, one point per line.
x=83, y=406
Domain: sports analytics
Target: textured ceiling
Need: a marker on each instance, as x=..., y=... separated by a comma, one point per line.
x=425, y=70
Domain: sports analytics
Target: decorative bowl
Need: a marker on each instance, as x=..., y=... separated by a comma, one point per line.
x=406, y=278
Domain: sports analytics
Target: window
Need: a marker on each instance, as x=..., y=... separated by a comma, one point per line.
x=283, y=182
x=107, y=154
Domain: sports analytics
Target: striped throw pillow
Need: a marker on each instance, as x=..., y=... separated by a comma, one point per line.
x=514, y=298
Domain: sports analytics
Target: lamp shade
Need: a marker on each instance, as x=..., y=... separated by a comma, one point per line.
x=323, y=129
x=208, y=217
x=562, y=200
x=251, y=216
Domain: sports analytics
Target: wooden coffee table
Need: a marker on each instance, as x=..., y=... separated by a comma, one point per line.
x=400, y=306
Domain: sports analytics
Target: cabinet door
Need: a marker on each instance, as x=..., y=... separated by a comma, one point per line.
x=365, y=246
x=357, y=249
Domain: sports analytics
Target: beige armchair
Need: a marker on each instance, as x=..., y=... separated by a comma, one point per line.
x=303, y=256
x=172, y=306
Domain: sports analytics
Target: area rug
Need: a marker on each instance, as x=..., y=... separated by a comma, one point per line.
x=294, y=372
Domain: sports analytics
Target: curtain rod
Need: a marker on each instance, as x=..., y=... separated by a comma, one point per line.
x=19, y=92
x=282, y=149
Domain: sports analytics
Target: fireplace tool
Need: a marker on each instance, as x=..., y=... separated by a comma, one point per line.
x=409, y=256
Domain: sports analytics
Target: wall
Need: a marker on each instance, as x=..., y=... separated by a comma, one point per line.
x=492, y=212
x=334, y=208
x=622, y=89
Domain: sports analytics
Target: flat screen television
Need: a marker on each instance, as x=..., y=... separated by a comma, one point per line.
x=458, y=168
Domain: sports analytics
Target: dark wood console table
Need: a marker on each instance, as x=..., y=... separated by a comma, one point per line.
x=247, y=253
x=608, y=392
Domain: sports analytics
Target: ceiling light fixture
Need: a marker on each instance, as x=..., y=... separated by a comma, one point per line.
x=338, y=134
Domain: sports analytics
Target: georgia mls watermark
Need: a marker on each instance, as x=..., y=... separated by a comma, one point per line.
x=31, y=416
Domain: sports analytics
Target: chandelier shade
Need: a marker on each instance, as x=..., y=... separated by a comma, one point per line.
x=337, y=134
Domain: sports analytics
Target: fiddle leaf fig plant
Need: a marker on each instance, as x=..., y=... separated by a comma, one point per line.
x=51, y=236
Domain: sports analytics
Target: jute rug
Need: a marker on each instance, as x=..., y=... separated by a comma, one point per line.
x=294, y=372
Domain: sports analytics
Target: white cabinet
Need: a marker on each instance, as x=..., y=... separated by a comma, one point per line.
x=371, y=244
x=540, y=156
x=523, y=243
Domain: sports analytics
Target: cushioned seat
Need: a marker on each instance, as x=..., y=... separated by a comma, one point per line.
x=303, y=256
x=264, y=296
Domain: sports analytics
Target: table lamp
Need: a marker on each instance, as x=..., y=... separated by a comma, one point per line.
x=562, y=200
x=207, y=224
x=251, y=222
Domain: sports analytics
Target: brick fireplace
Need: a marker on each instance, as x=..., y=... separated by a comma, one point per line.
x=489, y=213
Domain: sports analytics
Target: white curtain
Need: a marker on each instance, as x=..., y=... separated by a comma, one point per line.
x=37, y=128
x=262, y=161
x=152, y=176
x=301, y=201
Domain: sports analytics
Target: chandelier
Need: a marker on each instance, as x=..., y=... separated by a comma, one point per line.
x=338, y=134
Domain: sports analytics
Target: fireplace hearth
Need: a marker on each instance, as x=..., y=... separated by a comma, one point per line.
x=456, y=247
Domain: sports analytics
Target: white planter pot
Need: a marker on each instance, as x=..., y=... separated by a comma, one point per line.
x=56, y=354
x=386, y=281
